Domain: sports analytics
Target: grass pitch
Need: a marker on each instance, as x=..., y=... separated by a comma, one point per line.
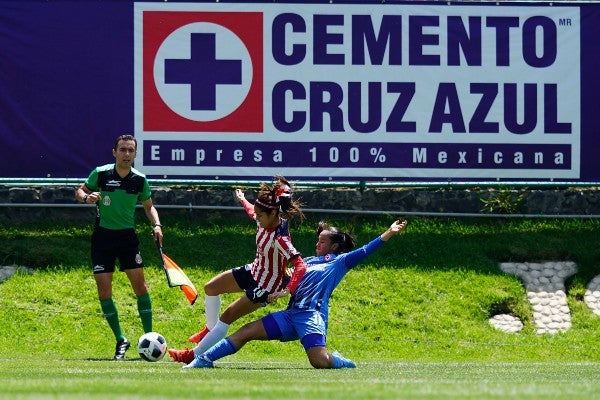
x=414, y=316
x=136, y=379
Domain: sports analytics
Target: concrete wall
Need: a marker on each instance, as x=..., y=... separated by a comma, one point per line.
x=572, y=201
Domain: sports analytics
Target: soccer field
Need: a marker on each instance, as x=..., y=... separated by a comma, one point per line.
x=414, y=318
x=136, y=379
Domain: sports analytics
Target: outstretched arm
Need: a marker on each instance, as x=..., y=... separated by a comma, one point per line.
x=248, y=207
x=355, y=257
x=394, y=229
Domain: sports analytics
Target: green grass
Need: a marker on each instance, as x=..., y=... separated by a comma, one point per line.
x=268, y=380
x=414, y=316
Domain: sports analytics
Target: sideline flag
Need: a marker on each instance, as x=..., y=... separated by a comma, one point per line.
x=176, y=276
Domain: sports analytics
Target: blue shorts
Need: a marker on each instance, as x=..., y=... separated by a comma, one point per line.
x=293, y=324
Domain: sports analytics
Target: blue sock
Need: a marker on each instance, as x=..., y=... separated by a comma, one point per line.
x=222, y=349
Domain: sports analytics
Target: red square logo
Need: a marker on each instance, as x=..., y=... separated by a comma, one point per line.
x=202, y=71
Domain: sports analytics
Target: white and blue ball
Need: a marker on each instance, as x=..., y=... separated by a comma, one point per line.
x=152, y=346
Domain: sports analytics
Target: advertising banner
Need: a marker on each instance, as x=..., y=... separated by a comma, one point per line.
x=391, y=91
x=370, y=91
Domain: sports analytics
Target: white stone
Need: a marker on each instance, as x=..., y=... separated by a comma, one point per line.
x=544, y=283
x=553, y=326
x=592, y=295
x=506, y=323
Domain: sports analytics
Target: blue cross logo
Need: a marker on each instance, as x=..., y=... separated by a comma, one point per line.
x=203, y=72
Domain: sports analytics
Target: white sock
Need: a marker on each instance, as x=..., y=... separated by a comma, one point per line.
x=212, y=308
x=218, y=332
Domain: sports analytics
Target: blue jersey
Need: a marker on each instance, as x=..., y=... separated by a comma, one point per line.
x=323, y=274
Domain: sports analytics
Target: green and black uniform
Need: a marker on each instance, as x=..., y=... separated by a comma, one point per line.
x=114, y=236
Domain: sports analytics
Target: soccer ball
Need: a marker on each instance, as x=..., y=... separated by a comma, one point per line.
x=152, y=346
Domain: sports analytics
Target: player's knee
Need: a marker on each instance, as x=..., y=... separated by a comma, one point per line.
x=140, y=287
x=210, y=289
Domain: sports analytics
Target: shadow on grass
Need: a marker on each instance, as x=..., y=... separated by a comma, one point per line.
x=443, y=244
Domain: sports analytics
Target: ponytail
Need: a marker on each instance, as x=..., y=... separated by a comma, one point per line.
x=279, y=197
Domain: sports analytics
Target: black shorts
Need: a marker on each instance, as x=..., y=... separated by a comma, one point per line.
x=109, y=245
x=244, y=279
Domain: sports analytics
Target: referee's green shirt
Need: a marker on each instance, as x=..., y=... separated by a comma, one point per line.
x=120, y=196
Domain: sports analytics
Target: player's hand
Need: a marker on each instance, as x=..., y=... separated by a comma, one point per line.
x=157, y=235
x=394, y=229
x=274, y=296
x=93, y=198
x=239, y=194
x=398, y=226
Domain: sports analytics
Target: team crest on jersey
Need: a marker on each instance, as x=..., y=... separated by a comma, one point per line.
x=202, y=71
x=106, y=200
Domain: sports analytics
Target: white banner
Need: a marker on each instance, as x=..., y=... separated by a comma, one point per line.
x=357, y=91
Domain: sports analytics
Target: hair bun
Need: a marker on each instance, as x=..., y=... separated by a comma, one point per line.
x=282, y=194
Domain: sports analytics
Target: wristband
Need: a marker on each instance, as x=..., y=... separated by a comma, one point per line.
x=159, y=225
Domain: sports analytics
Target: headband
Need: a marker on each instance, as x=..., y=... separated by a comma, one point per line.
x=257, y=201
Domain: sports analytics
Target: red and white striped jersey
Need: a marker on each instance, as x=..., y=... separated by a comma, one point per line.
x=274, y=249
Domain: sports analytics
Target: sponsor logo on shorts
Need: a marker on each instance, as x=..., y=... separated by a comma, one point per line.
x=138, y=259
x=258, y=292
x=98, y=268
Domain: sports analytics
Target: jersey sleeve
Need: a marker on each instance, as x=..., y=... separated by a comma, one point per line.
x=285, y=245
x=357, y=256
x=145, y=193
x=92, y=181
x=249, y=208
x=299, y=270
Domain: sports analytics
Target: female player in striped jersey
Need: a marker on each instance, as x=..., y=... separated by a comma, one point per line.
x=272, y=209
x=306, y=315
